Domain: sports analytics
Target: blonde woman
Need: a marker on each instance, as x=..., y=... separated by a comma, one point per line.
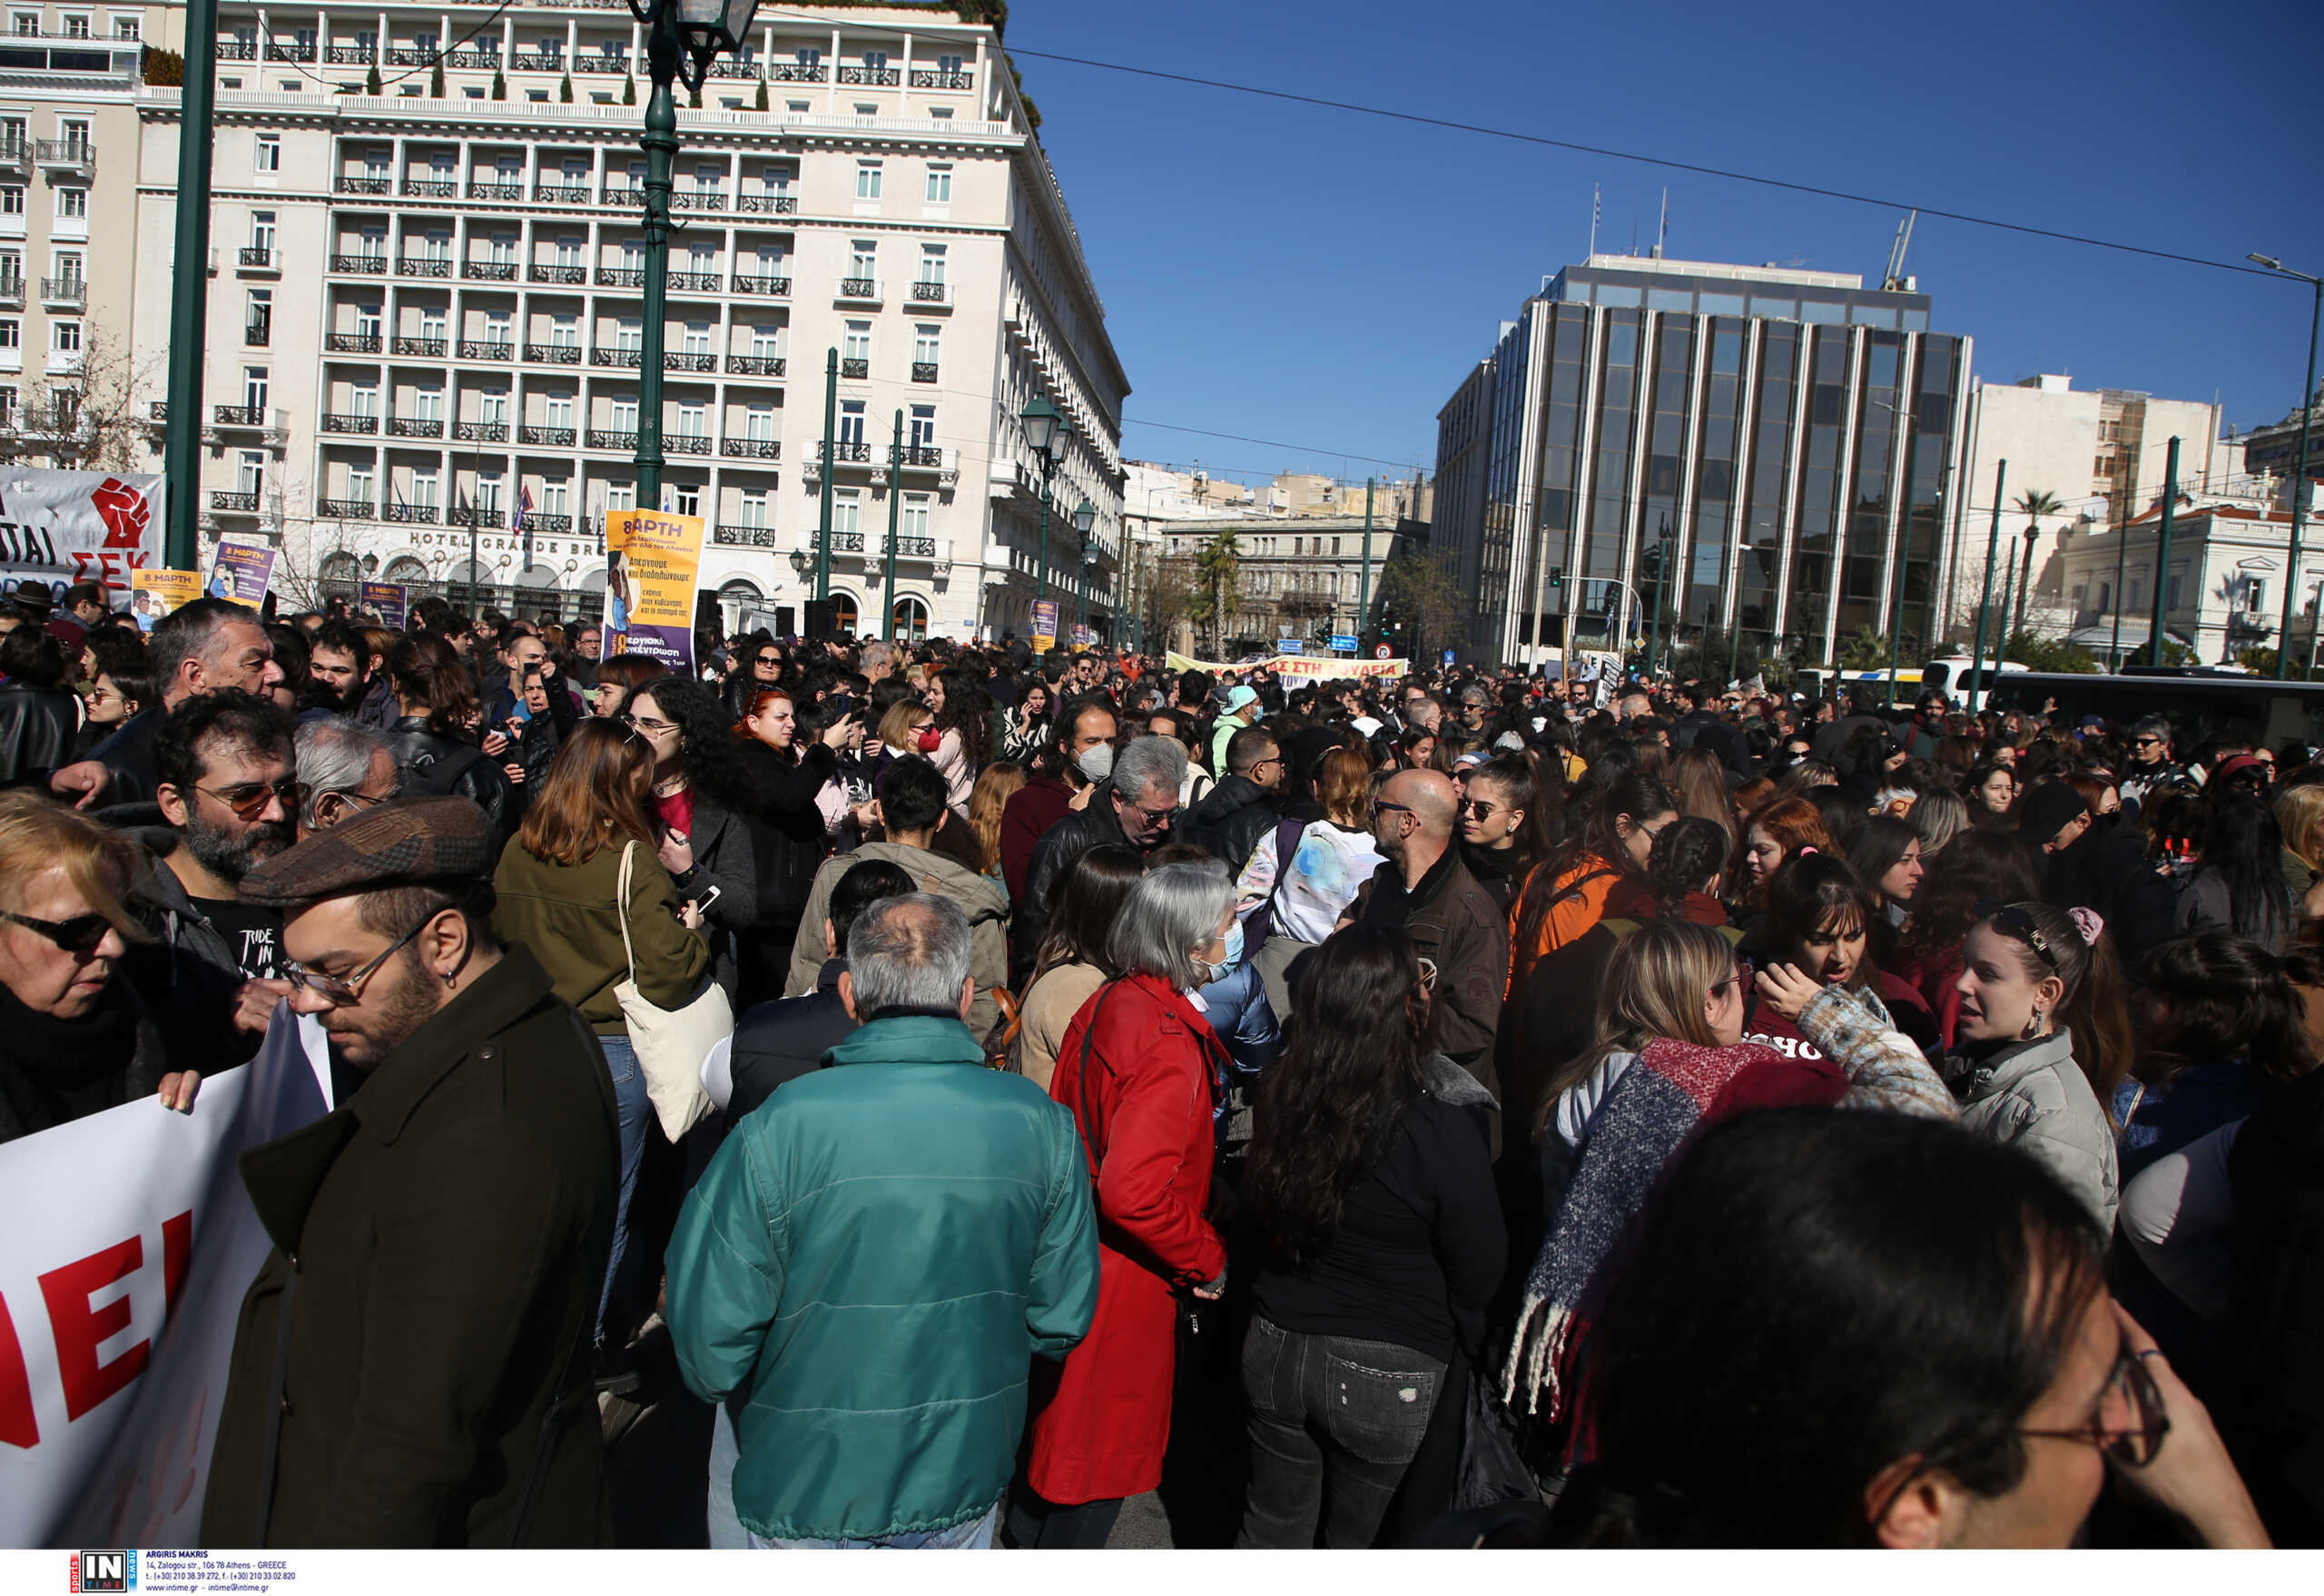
x=996, y=785
x=1302, y=897
x=2299, y=817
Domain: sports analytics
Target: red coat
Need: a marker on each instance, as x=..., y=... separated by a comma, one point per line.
x=1145, y=1124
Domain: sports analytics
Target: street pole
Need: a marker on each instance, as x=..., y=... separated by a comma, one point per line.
x=190, y=289
x=2121, y=568
x=1904, y=542
x=1040, y=593
x=661, y=143
x=1364, y=588
x=1985, y=601
x=895, y=516
x=831, y=468
x=1661, y=569
x=2001, y=643
x=2299, y=489
x=2163, y=557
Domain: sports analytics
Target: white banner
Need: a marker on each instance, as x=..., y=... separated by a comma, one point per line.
x=129, y=1245
x=66, y=527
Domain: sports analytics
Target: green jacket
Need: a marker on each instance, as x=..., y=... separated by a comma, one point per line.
x=565, y=914
x=864, y=1272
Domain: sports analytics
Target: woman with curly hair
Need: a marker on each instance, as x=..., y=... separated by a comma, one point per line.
x=703, y=806
x=961, y=728
x=1773, y=833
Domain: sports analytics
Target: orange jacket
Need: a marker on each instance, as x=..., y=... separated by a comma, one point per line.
x=1578, y=903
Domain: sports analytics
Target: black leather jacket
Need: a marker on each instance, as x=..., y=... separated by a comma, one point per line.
x=36, y=731
x=466, y=772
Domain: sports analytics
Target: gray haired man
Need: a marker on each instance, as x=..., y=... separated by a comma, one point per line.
x=1135, y=805
x=344, y=769
x=863, y=1272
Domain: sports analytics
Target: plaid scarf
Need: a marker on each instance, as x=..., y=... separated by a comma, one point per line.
x=1673, y=1090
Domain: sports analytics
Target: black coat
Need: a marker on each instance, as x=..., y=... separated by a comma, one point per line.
x=440, y=1241
x=37, y=729
x=466, y=773
x=1230, y=819
x=2270, y=1407
x=1082, y=830
x=781, y=1040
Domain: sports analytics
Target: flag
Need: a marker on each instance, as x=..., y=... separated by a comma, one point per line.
x=524, y=505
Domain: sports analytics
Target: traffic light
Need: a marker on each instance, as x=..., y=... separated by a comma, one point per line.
x=1557, y=579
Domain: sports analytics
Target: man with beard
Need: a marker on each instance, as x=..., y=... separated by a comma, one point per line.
x=340, y=659
x=229, y=789
x=406, y=1368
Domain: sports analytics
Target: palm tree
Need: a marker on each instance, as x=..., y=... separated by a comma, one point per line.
x=1219, y=565
x=2034, y=503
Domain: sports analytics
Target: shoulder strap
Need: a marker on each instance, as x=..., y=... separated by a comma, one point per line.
x=621, y=907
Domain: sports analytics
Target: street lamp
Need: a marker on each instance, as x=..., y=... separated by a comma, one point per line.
x=2299, y=479
x=681, y=38
x=1045, y=431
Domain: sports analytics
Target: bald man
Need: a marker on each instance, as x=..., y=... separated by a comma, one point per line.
x=1425, y=890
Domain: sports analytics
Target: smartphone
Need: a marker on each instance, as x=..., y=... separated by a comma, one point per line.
x=708, y=897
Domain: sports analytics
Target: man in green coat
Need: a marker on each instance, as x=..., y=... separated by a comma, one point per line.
x=867, y=1269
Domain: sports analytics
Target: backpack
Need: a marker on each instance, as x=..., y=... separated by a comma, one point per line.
x=439, y=778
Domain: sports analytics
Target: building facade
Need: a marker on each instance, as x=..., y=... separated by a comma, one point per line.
x=2229, y=558
x=1762, y=447
x=2275, y=448
x=424, y=329
x=1301, y=579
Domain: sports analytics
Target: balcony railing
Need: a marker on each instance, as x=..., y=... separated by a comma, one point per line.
x=65, y=155
x=239, y=415
x=572, y=274
x=546, y=437
x=409, y=55
x=777, y=287
x=474, y=60
x=754, y=365
x=346, y=509
x=923, y=458
x=413, y=427
x=242, y=504
x=621, y=277
x=340, y=421
x=633, y=360
x=916, y=548
x=259, y=334
x=686, y=443
x=159, y=410
x=237, y=50
x=623, y=196
x=547, y=525
x=425, y=348
x=939, y=80
x=859, y=453
x=423, y=266
x=767, y=205
x=431, y=188
x=486, y=348
x=696, y=283
x=561, y=193
x=930, y=293
x=489, y=270
x=689, y=360
x=599, y=439
x=363, y=185
x=795, y=71
x=536, y=61
x=698, y=200
x=743, y=537
x=511, y=191
x=855, y=371
x=259, y=257
x=421, y=513
x=12, y=290
x=349, y=54
x=858, y=288
x=15, y=153
x=727, y=66
x=554, y=354
x=601, y=64
x=376, y=265
x=276, y=50
x=352, y=343
x=869, y=77
x=844, y=542
x=752, y=449
x=65, y=291
x=924, y=370
x=480, y=431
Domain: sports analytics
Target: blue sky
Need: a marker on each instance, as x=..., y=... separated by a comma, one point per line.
x=1323, y=278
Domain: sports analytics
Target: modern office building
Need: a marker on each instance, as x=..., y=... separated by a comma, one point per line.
x=424, y=332
x=1785, y=438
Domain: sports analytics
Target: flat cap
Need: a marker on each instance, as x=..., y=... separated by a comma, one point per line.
x=410, y=841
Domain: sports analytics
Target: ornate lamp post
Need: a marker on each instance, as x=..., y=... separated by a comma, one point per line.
x=1046, y=431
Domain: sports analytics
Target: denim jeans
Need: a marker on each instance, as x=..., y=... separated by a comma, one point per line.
x=973, y=1535
x=726, y=1531
x=635, y=1111
x=1334, y=1422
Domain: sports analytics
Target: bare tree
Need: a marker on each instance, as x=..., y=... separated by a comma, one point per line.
x=88, y=419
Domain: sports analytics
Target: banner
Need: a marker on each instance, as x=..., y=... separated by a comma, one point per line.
x=1302, y=667
x=391, y=601
x=129, y=1247
x=651, y=558
x=156, y=590
x=242, y=572
x=66, y=527
x=1044, y=626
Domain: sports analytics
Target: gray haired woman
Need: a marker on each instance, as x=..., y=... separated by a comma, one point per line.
x=1140, y=1069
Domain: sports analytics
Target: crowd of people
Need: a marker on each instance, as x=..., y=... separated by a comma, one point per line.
x=1460, y=1107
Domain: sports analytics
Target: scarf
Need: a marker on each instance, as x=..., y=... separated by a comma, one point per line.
x=53, y=1071
x=1673, y=1090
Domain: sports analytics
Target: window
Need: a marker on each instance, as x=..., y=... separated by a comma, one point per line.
x=367, y=321
x=867, y=180
x=923, y=426
x=863, y=258
x=559, y=411
x=487, y=498
x=25, y=24
x=375, y=243
x=629, y=333
x=766, y=342
x=424, y=487
x=568, y=249
x=620, y=495
x=262, y=231
x=693, y=419
x=432, y=321
x=366, y=399
x=360, y=484
x=12, y=334
x=850, y=421
x=556, y=498
x=796, y=107
x=11, y=200
x=876, y=60
x=267, y=156
x=939, y=113
x=758, y=423
x=428, y=403
x=76, y=27
x=696, y=338
x=492, y=406
x=915, y=515
x=565, y=331
x=536, y=96
x=503, y=249
x=258, y=316
x=864, y=109
x=73, y=204
x=126, y=27
x=67, y=265
x=250, y=472
x=500, y=327
x=927, y=345
x=847, y=510
x=2255, y=596
x=940, y=185
x=439, y=246
x=754, y=508
x=858, y=344
x=947, y=64
x=931, y=263
x=625, y=414
x=8, y=411
x=75, y=131
x=685, y=501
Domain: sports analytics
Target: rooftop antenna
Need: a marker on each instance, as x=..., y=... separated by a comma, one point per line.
x=1593, y=219
x=1662, y=227
x=1894, y=279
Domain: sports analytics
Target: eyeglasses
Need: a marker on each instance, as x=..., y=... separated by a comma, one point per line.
x=81, y=934
x=247, y=798
x=1152, y=817
x=360, y=800
x=1399, y=808
x=1481, y=808
x=2135, y=1389
x=338, y=990
x=2010, y=921
x=647, y=725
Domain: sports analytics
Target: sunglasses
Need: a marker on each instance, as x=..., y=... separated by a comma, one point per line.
x=2010, y=921
x=1152, y=817
x=247, y=798
x=80, y=934
x=1481, y=808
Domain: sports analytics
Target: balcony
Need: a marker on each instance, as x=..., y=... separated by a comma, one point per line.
x=352, y=343
x=431, y=188
x=349, y=54
x=686, y=443
x=15, y=154
x=486, y=348
x=752, y=449
x=775, y=287
x=509, y=192
x=939, y=80
x=743, y=537
x=363, y=185
x=601, y=64
x=625, y=442
x=239, y=415
x=536, y=61
x=480, y=431
x=474, y=60
x=754, y=365
x=728, y=67
x=698, y=200
x=689, y=360
x=621, y=277
x=767, y=205
x=917, y=548
x=623, y=196
x=860, y=288
x=923, y=457
x=411, y=55
x=158, y=411
x=63, y=291
x=346, y=510
x=930, y=293
x=276, y=50
x=240, y=503
x=924, y=370
x=630, y=360
x=855, y=371
x=423, y=266
x=795, y=71
x=422, y=348
x=561, y=193
x=423, y=514
x=546, y=436
x=869, y=77
x=237, y=50
x=371, y=265
x=340, y=421
x=548, y=526
x=12, y=290
x=696, y=283
x=258, y=257
x=257, y=334
x=67, y=155
x=489, y=270
x=414, y=427
x=577, y=276
x=847, y=454
x=554, y=354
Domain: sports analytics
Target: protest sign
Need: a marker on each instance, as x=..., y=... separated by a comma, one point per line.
x=652, y=559
x=1300, y=667
x=66, y=527
x=391, y=601
x=241, y=572
x=156, y=590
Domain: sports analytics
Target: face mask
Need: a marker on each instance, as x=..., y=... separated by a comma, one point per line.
x=1206, y=973
x=1233, y=948
x=1097, y=762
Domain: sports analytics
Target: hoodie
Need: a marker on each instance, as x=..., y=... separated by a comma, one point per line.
x=980, y=897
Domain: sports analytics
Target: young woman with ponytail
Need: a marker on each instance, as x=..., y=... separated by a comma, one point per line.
x=1566, y=893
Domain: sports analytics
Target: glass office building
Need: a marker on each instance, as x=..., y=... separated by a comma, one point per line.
x=1737, y=446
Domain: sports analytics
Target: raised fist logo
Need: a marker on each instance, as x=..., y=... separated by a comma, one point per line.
x=125, y=511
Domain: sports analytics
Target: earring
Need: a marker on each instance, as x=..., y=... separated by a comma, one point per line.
x=2032, y=1027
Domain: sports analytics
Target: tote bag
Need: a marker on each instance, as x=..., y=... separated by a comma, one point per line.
x=670, y=1043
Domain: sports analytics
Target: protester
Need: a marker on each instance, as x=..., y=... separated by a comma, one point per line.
x=197, y=648
x=1566, y=893
x=1302, y=876
x=784, y=776
x=2238, y=883
x=1077, y=755
x=435, y=706
x=1240, y=807
x=702, y=806
x=1135, y=804
x=1887, y=857
x=344, y=768
x=1073, y=962
x=1502, y=836
x=38, y=719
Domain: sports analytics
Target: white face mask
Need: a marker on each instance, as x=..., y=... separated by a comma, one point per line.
x=1096, y=764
